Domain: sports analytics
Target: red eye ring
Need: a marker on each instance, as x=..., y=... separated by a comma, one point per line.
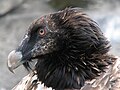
x=42, y=32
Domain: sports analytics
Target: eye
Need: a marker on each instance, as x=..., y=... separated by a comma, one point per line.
x=42, y=32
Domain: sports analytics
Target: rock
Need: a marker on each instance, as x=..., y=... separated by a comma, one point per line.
x=7, y=6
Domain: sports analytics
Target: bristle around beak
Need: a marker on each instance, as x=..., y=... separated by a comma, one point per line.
x=14, y=60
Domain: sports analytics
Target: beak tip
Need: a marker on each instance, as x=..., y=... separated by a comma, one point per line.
x=11, y=70
x=14, y=59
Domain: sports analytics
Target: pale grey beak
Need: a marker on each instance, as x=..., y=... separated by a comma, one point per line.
x=14, y=60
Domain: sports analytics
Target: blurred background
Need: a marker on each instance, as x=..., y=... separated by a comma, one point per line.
x=16, y=15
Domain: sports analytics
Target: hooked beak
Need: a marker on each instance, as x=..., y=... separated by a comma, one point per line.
x=14, y=60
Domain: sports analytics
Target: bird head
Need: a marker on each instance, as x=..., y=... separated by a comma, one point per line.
x=69, y=48
x=38, y=41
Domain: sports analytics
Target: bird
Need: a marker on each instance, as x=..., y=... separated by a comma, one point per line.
x=71, y=53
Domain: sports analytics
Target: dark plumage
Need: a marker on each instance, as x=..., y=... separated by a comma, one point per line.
x=69, y=47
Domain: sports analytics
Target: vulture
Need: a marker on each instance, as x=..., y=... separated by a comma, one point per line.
x=70, y=53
